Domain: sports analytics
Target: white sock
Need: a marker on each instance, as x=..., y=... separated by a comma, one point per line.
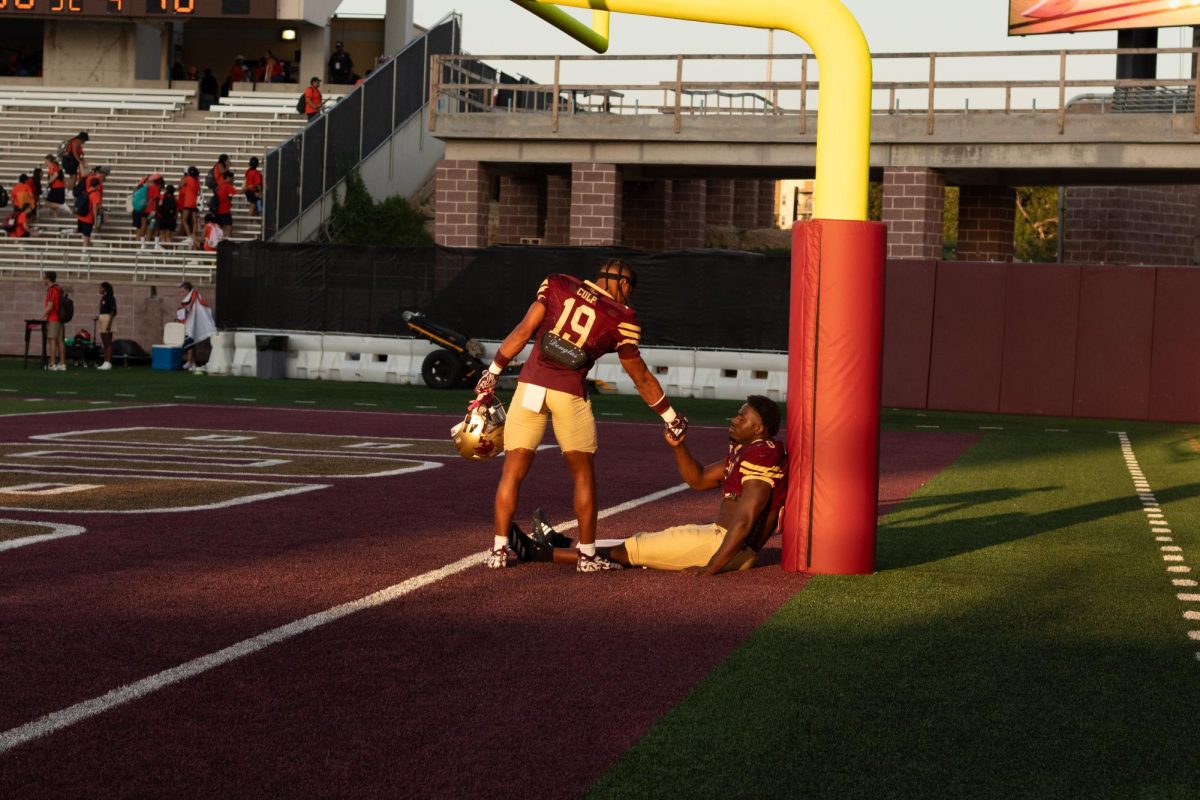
x=499, y=541
x=587, y=549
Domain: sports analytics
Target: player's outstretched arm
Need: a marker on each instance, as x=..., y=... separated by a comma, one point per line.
x=653, y=395
x=755, y=496
x=694, y=474
x=513, y=344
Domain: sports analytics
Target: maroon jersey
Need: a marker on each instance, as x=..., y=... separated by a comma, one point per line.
x=586, y=316
x=764, y=460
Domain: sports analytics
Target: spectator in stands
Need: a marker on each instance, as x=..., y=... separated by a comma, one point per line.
x=193, y=74
x=90, y=215
x=139, y=206
x=252, y=186
x=56, y=194
x=217, y=173
x=74, y=161
x=22, y=193
x=341, y=66
x=54, y=326
x=189, y=196
x=212, y=233
x=167, y=217
x=239, y=72
x=312, y=98
x=209, y=89
x=272, y=68
x=19, y=225
x=224, y=214
x=104, y=322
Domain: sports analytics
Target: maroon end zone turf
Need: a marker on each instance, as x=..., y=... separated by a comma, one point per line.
x=469, y=687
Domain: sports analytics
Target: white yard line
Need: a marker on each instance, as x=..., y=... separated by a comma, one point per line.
x=1172, y=554
x=65, y=718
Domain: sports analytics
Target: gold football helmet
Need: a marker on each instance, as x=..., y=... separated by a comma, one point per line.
x=481, y=433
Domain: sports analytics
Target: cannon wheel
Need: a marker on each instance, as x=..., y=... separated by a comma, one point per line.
x=441, y=369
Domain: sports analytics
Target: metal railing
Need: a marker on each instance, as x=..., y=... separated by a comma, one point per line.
x=301, y=170
x=463, y=86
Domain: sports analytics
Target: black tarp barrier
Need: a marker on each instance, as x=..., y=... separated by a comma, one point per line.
x=377, y=107
x=708, y=299
x=271, y=195
x=314, y=161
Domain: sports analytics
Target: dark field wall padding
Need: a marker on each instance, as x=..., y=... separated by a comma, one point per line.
x=1116, y=326
x=968, y=336
x=1175, y=362
x=1041, y=323
x=907, y=332
x=704, y=299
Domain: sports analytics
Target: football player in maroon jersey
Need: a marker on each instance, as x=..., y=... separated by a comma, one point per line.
x=753, y=481
x=573, y=323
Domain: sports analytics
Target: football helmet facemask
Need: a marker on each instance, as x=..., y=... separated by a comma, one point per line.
x=481, y=433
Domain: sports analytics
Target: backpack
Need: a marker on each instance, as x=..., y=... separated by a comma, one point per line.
x=66, y=306
x=210, y=181
x=82, y=204
x=140, y=198
x=3, y=197
x=64, y=148
x=301, y=105
x=214, y=203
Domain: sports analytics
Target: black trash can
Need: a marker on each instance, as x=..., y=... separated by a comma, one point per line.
x=272, y=356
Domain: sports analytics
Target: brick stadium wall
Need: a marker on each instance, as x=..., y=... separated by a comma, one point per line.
x=142, y=308
x=646, y=214
x=987, y=217
x=914, y=204
x=1061, y=340
x=462, y=193
x=519, y=213
x=595, y=205
x=1132, y=225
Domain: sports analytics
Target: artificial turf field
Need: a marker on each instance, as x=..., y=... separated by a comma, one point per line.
x=1031, y=631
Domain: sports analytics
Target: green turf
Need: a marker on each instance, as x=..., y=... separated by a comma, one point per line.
x=147, y=385
x=1022, y=639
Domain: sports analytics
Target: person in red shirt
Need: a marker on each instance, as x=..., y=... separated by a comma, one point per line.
x=753, y=483
x=217, y=173
x=312, y=98
x=74, y=161
x=573, y=323
x=86, y=223
x=252, y=186
x=189, y=195
x=22, y=227
x=225, y=193
x=54, y=327
x=56, y=194
x=272, y=69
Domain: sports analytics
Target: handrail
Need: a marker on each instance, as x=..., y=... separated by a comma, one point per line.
x=1158, y=95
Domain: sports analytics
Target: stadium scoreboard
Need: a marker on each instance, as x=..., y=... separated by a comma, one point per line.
x=141, y=9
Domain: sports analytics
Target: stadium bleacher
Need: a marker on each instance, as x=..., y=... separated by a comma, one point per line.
x=135, y=132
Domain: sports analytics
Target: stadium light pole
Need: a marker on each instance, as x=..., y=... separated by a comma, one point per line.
x=836, y=315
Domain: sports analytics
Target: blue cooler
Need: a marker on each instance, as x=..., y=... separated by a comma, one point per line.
x=164, y=357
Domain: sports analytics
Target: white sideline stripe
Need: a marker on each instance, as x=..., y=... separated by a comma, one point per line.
x=117, y=697
x=86, y=410
x=1189, y=598
x=1191, y=615
x=1179, y=569
x=1194, y=635
x=1172, y=558
x=1163, y=539
x=57, y=531
x=1183, y=583
x=79, y=712
x=1171, y=548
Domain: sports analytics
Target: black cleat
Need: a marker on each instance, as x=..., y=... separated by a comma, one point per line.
x=541, y=532
x=526, y=547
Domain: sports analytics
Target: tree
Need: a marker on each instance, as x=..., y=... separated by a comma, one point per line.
x=358, y=219
x=1037, y=224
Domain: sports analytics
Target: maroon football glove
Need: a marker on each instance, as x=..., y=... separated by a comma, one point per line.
x=487, y=383
x=677, y=428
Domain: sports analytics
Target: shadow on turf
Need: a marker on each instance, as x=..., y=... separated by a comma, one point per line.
x=911, y=540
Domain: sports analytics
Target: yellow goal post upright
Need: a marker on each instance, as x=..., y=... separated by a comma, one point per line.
x=836, y=314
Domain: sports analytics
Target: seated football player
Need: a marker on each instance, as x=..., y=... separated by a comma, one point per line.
x=753, y=481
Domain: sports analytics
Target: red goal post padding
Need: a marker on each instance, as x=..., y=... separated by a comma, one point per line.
x=834, y=380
